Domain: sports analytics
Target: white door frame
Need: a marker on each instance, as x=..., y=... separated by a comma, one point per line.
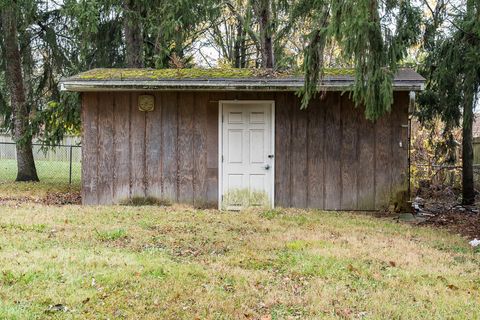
x=220, y=145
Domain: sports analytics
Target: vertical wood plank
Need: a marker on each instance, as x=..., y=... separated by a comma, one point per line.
x=366, y=167
x=399, y=150
x=169, y=145
x=315, y=164
x=153, y=150
x=137, y=147
x=283, y=109
x=349, y=156
x=299, y=156
x=200, y=150
x=121, y=123
x=185, y=147
x=212, y=147
x=333, y=143
x=105, y=148
x=89, y=148
x=382, y=162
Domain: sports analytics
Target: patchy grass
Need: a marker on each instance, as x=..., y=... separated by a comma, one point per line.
x=49, y=172
x=111, y=235
x=146, y=201
x=53, y=175
x=19, y=192
x=180, y=263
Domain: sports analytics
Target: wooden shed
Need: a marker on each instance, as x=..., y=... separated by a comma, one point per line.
x=231, y=138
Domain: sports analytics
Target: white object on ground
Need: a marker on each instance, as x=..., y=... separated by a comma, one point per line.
x=475, y=242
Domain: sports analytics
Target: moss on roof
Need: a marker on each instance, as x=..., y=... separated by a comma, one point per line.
x=194, y=73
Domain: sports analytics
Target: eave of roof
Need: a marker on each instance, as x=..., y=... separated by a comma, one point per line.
x=218, y=80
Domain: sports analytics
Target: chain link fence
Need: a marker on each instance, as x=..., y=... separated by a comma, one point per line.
x=59, y=164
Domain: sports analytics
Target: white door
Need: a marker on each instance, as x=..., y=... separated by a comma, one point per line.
x=246, y=154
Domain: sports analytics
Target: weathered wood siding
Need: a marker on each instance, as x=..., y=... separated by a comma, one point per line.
x=327, y=156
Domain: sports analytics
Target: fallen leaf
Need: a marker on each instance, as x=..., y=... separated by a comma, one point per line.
x=352, y=268
x=441, y=278
x=344, y=313
x=452, y=287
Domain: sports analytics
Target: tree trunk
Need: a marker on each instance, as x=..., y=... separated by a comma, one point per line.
x=266, y=44
x=243, y=50
x=468, y=190
x=237, y=48
x=26, y=170
x=133, y=35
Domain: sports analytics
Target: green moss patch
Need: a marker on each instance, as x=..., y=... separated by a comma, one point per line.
x=195, y=73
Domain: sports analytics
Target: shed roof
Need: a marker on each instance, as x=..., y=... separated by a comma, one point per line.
x=219, y=79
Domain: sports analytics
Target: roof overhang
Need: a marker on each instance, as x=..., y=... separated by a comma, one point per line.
x=406, y=80
x=214, y=85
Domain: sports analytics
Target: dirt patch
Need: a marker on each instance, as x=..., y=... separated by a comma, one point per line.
x=16, y=201
x=51, y=198
x=62, y=198
x=460, y=220
x=440, y=207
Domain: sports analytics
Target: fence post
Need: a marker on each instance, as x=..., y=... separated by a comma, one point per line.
x=70, y=173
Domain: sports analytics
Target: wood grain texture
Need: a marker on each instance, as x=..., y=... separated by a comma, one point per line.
x=283, y=123
x=153, y=140
x=267, y=96
x=105, y=148
x=137, y=148
x=185, y=147
x=399, y=149
x=212, y=147
x=349, y=155
x=169, y=145
x=366, y=164
x=299, y=156
x=200, y=128
x=121, y=123
x=315, y=155
x=333, y=143
x=383, y=160
x=89, y=148
x=327, y=157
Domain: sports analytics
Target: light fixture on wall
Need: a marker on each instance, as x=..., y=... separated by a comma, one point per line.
x=146, y=103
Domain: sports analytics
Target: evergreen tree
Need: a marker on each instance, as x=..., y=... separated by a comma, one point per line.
x=43, y=41
x=22, y=134
x=373, y=37
x=452, y=69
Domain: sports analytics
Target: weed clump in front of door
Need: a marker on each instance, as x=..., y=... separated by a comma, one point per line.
x=238, y=199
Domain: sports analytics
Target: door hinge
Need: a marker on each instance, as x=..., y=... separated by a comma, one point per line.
x=222, y=117
x=222, y=157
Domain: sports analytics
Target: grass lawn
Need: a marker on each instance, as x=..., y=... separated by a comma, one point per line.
x=73, y=262
x=49, y=172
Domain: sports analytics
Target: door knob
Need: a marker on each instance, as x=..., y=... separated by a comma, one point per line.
x=267, y=166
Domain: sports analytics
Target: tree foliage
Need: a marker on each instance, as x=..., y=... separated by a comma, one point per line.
x=373, y=37
x=452, y=69
x=43, y=43
x=60, y=39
